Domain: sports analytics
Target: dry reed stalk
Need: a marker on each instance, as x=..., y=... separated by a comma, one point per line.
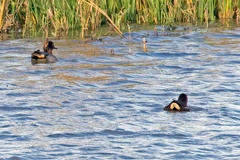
x=237, y=14
x=50, y=14
x=80, y=11
x=1, y=13
x=144, y=44
x=116, y=29
x=45, y=30
x=111, y=52
x=206, y=17
x=129, y=33
x=26, y=18
x=155, y=31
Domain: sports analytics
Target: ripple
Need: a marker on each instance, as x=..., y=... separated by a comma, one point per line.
x=94, y=105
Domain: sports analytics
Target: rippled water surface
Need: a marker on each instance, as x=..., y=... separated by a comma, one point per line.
x=92, y=104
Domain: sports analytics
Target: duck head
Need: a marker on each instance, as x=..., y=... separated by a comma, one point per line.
x=49, y=47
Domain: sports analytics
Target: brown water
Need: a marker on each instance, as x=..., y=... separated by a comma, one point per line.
x=95, y=105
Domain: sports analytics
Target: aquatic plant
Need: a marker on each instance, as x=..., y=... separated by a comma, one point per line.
x=59, y=16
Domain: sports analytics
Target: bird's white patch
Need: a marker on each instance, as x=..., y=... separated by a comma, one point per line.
x=174, y=106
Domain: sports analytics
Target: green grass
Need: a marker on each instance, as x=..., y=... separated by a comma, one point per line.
x=57, y=17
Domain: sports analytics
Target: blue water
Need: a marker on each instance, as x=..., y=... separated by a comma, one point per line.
x=94, y=105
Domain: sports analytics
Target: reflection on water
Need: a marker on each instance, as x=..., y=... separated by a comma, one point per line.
x=94, y=104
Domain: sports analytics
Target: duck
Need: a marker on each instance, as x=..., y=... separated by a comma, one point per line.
x=178, y=105
x=46, y=56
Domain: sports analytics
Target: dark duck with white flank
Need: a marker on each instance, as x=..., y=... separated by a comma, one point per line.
x=178, y=105
x=46, y=56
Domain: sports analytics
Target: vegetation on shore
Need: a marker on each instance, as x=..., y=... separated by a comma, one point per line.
x=58, y=16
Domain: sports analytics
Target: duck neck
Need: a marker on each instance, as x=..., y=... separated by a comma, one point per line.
x=50, y=51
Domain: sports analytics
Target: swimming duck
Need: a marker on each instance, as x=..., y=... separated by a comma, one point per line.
x=178, y=105
x=46, y=56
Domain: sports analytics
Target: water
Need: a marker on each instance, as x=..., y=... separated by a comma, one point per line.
x=94, y=105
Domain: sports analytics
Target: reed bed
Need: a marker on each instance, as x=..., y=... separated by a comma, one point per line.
x=57, y=17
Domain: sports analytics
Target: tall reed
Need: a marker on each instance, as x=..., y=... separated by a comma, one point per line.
x=57, y=17
x=3, y=4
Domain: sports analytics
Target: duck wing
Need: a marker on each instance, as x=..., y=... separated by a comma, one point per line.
x=39, y=55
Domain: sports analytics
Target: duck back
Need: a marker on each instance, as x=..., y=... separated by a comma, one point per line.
x=51, y=58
